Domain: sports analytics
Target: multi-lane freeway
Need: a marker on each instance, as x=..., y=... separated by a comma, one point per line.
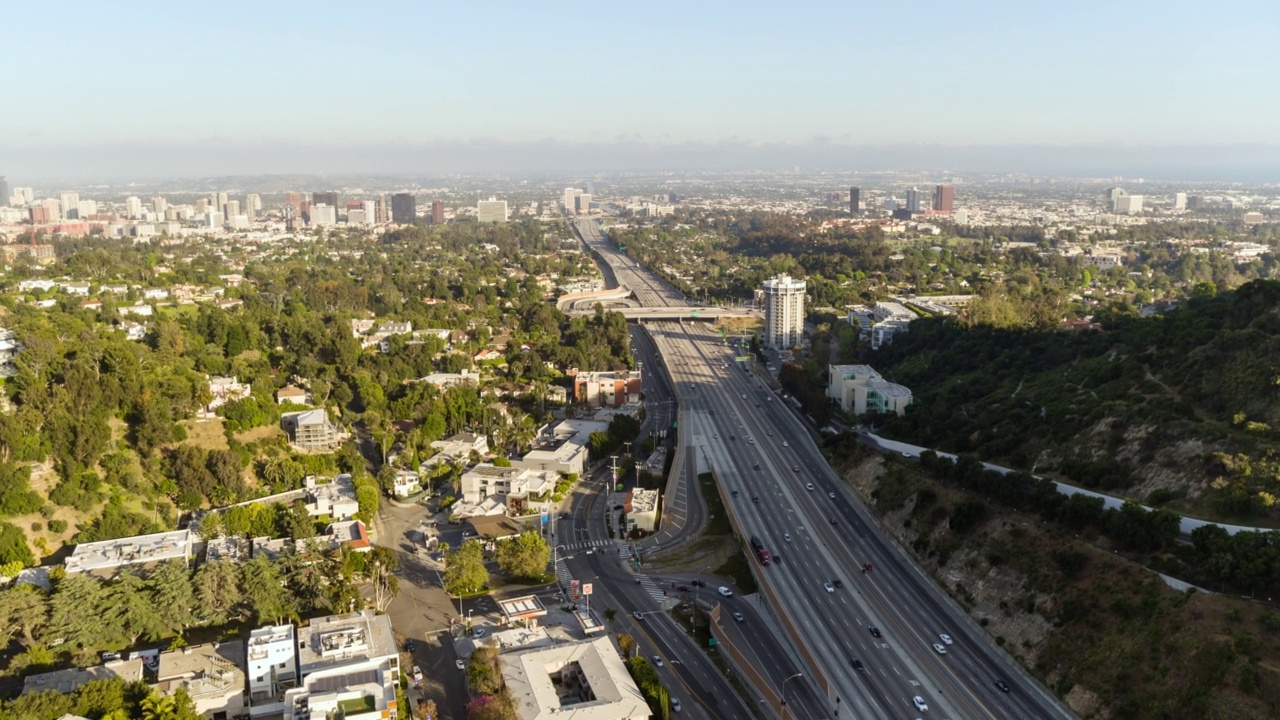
x=781, y=490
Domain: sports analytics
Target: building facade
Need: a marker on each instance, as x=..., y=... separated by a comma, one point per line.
x=859, y=389
x=944, y=198
x=855, y=200
x=783, y=311
x=492, y=210
x=403, y=209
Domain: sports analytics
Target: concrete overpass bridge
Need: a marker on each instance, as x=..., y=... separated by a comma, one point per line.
x=680, y=312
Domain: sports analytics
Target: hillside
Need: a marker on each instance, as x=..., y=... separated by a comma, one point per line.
x=1177, y=410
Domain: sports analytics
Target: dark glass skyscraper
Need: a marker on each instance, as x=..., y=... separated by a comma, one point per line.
x=855, y=200
x=403, y=209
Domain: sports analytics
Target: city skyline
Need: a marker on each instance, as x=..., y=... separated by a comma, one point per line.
x=1002, y=86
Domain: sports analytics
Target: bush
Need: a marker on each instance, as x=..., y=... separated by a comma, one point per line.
x=57, y=526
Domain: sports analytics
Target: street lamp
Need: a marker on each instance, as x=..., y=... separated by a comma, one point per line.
x=782, y=688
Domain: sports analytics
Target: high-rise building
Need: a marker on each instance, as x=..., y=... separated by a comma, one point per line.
x=944, y=198
x=437, y=212
x=913, y=200
x=1114, y=194
x=4, y=189
x=253, y=201
x=1194, y=202
x=132, y=207
x=231, y=209
x=855, y=200
x=70, y=205
x=159, y=204
x=88, y=208
x=783, y=311
x=1180, y=201
x=570, y=200
x=1128, y=204
x=24, y=196
x=404, y=209
x=294, y=200
x=584, y=203
x=220, y=199
x=370, y=209
x=328, y=198
x=39, y=214
x=492, y=210
x=382, y=209
x=323, y=215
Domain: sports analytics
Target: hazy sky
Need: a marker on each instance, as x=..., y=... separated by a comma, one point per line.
x=103, y=79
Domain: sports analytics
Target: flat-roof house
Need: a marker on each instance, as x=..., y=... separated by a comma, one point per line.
x=212, y=674
x=310, y=429
x=143, y=552
x=349, y=666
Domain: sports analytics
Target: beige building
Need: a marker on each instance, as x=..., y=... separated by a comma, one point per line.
x=213, y=675
x=584, y=680
x=349, y=666
x=641, y=507
x=859, y=389
x=310, y=429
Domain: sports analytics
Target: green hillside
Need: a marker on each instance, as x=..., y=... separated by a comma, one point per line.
x=1177, y=409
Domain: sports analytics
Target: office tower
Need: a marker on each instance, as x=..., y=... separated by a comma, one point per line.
x=570, y=200
x=219, y=199
x=87, y=209
x=202, y=205
x=253, y=202
x=294, y=200
x=1180, y=201
x=24, y=196
x=855, y=200
x=132, y=207
x=1194, y=202
x=382, y=209
x=213, y=219
x=54, y=207
x=39, y=214
x=437, y=212
x=1113, y=194
x=404, y=208
x=70, y=205
x=584, y=203
x=783, y=311
x=356, y=216
x=327, y=198
x=913, y=200
x=159, y=204
x=4, y=189
x=1128, y=204
x=944, y=198
x=370, y=209
x=231, y=209
x=323, y=215
x=492, y=210
x=890, y=203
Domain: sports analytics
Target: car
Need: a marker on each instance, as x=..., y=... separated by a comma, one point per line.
x=755, y=499
x=591, y=551
x=940, y=648
x=715, y=435
x=637, y=614
x=831, y=495
x=907, y=455
x=619, y=507
x=460, y=664
x=795, y=468
x=777, y=558
x=417, y=676
x=684, y=588
x=478, y=633
x=675, y=704
x=946, y=639
x=756, y=466
x=725, y=592
x=786, y=444
x=827, y=586
x=875, y=631
x=1002, y=686
x=786, y=537
x=739, y=617
x=838, y=583
x=712, y=413
x=769, y=398
x=733, y=437
x=408, y=645
x=109, y=656
x=834, y=521
x=757, y=404
x=657, y=660
x=697, y=583
x=920, y=704
x=744, y=397
x=867, y=566
x=751, y=440
x=735, y=493
x=770, y=433
x=857, y=664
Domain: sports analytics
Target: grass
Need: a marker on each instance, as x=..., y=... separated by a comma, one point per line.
x=738, y=567
x=205, y=434
x=717, y=517
x=358, y=705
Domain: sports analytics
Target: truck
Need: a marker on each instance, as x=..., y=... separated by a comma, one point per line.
x=761, y=554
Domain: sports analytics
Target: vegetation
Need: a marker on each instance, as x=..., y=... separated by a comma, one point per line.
x=103, y=699
x=465, y=573
x=525, y=557
x=655, y=693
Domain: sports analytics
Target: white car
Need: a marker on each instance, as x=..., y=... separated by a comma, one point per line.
x=946, y=639
x=657, y=660
x=478, y=633
x=786, y=537
x=715, y=435
x=739, y=617
x=675, y=704
x=460, y=664
x=786, y=444
x=940, y=648
x=828, y=587
x=725, y=592
x=920, y=704
x=417, y=676
x=831, y=495
x=809, y=487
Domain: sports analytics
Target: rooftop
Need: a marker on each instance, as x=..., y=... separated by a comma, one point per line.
x=587, y=677
x=210, y=670
x=137, y=550
x=341, y=639
x=66, y=681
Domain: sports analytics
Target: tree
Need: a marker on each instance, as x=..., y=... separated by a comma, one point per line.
x=128, y=608
x=24, y=611
x=76, y=612
x=265, y=591
x=13, y=546
x=525, y=556
x=178, y=706
x=465, y=572
x=217, y=591
x=381, y=566
x=173, y=595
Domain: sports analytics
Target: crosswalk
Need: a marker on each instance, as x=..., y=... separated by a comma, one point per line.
x=651, y=588
x=585, y=544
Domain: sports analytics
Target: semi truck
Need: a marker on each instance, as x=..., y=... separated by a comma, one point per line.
x=761, y=554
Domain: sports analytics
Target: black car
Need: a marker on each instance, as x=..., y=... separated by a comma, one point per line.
x=834, y=521
x=755, y=499
x=1002, y=686
x=408, y=645
x=735, y=493
x=875, y=631
x=697, y=583
x=857, y=664
x=838, y=583
x=777, y=559
x=757, y=466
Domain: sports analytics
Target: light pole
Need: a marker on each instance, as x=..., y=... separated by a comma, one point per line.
x=782, y=691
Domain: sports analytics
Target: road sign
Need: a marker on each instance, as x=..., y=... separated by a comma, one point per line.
x=586, y=588
x=742, y=358
x=573, y=589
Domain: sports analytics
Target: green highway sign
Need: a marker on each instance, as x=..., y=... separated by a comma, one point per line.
x=742, y=358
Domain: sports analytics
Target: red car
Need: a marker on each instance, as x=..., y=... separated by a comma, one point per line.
x=866, y=566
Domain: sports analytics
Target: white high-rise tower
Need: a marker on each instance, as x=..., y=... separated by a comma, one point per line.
x=783, y=311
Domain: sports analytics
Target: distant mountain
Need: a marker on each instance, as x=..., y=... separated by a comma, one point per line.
x=1180, y=409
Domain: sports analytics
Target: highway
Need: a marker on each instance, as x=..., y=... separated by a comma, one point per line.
x=760, y=450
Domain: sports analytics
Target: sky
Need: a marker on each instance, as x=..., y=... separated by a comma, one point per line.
x=180, y=88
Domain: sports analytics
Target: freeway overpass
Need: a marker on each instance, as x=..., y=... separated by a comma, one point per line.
x=677, y=312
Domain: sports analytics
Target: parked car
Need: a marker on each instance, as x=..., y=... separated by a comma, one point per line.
x=460, y=664
x=417, y=676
